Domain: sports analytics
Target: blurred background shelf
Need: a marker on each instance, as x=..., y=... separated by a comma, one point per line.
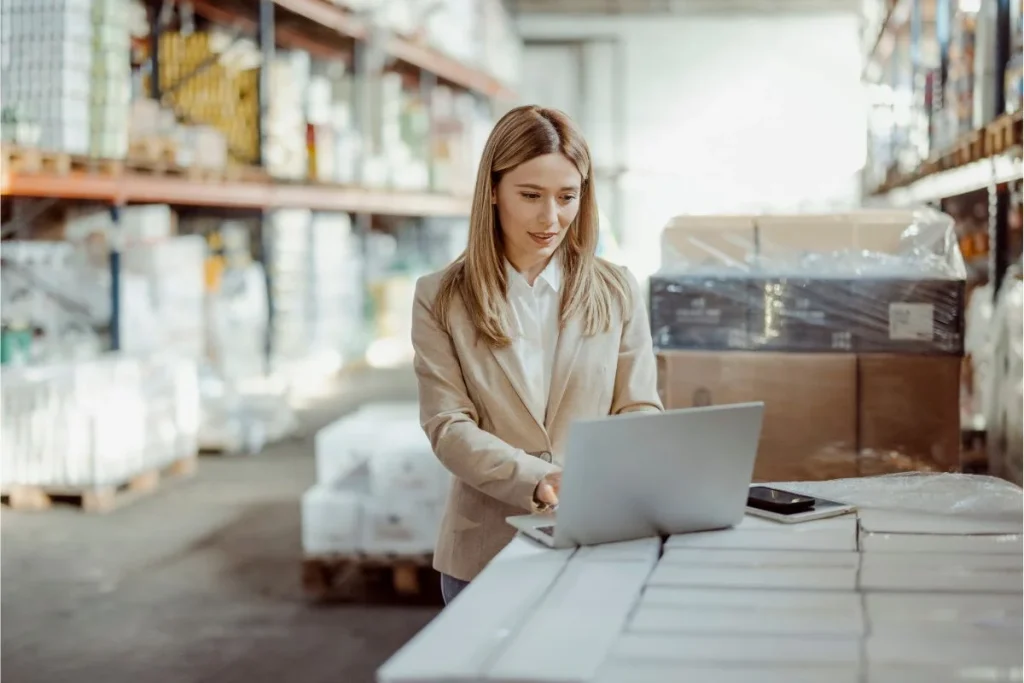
x=149, y=189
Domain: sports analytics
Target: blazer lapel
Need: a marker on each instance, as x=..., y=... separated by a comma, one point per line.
x=569, y=340
x=509, y=364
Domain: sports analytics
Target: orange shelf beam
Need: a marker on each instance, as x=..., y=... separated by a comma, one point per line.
x=140, y=188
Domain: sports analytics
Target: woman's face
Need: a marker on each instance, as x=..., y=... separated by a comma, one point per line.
x=537, y=202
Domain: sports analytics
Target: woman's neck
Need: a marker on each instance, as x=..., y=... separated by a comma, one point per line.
x=530, y=271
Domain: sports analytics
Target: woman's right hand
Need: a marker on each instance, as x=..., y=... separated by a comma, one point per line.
x=546, y=493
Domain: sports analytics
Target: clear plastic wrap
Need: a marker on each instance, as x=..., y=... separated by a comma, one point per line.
x=866, y=282
x=949, y=494
x=97, y=422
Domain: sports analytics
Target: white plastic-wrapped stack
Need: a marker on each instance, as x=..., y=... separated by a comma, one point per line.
x=52, y=288
x=110, y=89
x=287, y=233
x=286, y=150
x=336, y=301
x=172, y=272
x=1005, y=406
x=46, y=53
x=97, y=422
x=316, y=290
x=379, y=490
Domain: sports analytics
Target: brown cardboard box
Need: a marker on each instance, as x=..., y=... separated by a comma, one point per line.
x=810, y=404
x=910, y=405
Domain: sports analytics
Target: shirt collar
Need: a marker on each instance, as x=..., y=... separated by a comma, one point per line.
x=551, y=275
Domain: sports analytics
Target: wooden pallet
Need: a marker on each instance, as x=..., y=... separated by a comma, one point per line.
x=405, y=579
x=1003, y=134
x=99, y=498
x=152, y=155
x=26, y=160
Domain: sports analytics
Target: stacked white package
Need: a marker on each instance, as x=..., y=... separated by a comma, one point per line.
x=332, y=515
x=286, y=121
x=174, y=270
x=110, y=87
x=379, y=460
x=98, y=422
x=46, y=59
x=336, y=305
x=287, y=233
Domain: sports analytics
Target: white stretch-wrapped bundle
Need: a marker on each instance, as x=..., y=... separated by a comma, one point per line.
x=380, y=489
x=1005, y=405
x=99, y=422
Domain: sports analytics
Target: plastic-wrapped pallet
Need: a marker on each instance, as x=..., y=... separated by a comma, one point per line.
x=98, y=422
x=110, y=88
x=848, y=326
x=46, y=54
x=377, y=465
x=1005, y=407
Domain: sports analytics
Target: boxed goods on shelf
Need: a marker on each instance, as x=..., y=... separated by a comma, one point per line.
x=46, y=58
x=374, y=495
x=315, y=279
x=849, y=327
x=212, y=80
x=97, y=422
x=110, y=88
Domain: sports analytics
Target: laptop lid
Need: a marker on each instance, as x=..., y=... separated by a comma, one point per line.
x=646, y=474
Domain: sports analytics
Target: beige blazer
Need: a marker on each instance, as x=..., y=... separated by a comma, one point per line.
x=473, y=408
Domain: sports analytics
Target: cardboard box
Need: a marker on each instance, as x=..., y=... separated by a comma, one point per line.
x=910, y=405
x=810, y=404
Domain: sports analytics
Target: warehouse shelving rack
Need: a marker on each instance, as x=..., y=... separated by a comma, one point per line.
x=985, y=159
x=324, y=30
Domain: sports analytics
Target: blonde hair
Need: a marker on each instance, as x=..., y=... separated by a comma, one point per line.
x=591, y=287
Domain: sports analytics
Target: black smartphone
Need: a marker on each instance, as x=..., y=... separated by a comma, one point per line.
x=782, y=502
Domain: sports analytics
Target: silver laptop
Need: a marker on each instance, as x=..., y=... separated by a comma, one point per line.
x=652, y=474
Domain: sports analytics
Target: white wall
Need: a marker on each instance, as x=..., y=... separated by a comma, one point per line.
x=723, y=114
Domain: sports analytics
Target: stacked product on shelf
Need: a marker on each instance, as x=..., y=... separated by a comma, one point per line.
x=480, y=33
x=848, y=326
x=285, y=155
x=211, y=82
x=97, y=422
x=336, y=302
x=374, y=495
x=1014, y=85
x=316, y=283
x=45, y=68
x=959, y=96
x=110, y=88
x=333, y=142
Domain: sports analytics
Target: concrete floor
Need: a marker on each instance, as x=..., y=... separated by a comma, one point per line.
x=199, y=582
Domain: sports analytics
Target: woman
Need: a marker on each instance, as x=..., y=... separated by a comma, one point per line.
x=524, y=333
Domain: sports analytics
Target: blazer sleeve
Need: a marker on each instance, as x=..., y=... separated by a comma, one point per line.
x=636, y=374
x=451, y=421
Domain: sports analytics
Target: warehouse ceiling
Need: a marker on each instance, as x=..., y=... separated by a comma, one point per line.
x=678, y=6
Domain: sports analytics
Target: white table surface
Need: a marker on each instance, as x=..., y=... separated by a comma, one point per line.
x=826, y=600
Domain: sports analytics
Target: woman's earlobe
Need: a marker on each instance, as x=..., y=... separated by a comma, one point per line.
x=494, y=197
